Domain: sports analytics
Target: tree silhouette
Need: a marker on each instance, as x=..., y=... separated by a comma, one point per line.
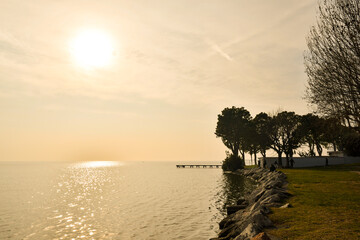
x=332, y=61
x=262, y=130
x=313, y=130
x=284, y=134
x=233, y=129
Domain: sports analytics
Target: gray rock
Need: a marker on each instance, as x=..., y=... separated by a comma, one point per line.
x=261, y=236
x=272, y=201
x=251, y=217
x=241, y=201
x=235, y=208
x=287, y=205
x=250, y=231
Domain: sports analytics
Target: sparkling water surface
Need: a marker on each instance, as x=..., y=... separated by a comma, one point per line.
x=114, y=200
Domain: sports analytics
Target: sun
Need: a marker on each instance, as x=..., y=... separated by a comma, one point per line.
x=92, y=49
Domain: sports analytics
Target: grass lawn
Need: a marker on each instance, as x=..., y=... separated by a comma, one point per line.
x=250, y=166
x=326, y=204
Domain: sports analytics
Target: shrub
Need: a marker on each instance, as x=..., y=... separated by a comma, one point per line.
x=232, y=163
x=352, y=144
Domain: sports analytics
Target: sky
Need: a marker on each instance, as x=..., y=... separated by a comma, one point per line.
x=174, y=66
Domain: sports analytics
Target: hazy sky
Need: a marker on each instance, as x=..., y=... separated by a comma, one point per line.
x=175, y=66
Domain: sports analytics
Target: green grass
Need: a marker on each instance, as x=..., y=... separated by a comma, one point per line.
x=326, y=204
x=250, y=166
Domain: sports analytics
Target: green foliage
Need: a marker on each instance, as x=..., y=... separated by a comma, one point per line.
x=232, y=163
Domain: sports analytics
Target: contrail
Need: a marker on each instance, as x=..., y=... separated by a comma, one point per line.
x=217, y=49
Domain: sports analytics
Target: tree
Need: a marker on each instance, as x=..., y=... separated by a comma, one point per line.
x=252, y=143
x=352, y=144
x=292, y=133
x=333, y=133
x=233, y=129
x=262, y=129
x=313, y=129
x=232, y=162
x=284, y=134
x=332, y=61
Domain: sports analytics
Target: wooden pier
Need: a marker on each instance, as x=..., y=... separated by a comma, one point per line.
x=199, y=165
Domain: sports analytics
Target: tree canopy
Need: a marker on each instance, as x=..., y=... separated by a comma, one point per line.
x=233, y=129
x=262, y=123
x=332, y=61
x=314, y=132
x=283, y=132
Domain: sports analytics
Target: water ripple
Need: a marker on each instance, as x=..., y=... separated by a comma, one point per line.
x=110, y=200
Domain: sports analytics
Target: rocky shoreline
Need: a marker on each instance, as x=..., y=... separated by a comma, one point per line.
x=248, y=218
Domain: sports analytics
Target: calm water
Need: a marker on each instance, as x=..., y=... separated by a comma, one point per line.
x=113, y=200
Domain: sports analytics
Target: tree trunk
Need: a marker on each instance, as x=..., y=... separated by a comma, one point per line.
x=334, y=145
x=242, y=162
x=319, y=149
x=291, y=157
x=279, y=159
x=287, y=160
x=311, y=149
x=263, y=153
x=242, y=157
x=348, y=121
x=235, y=151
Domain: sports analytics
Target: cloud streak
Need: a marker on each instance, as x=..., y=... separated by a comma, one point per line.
x=218, y=49
x=179, y=64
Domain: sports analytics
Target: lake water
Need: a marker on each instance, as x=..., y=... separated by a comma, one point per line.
x=114, y=200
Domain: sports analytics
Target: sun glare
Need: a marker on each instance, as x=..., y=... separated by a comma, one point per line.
x=92, y=48
x=97, y=164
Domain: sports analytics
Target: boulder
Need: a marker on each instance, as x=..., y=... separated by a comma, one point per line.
x=258, y=196
x=249, y=217
x=241, y=201
x=261, y=219
x=272, y=201
x=287, y=205
x=226, y=222
x=274, y=191
x=235, y=208
x=250, y=231
x=261, y=236
x=231, y=231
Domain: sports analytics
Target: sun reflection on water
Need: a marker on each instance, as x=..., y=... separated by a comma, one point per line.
x=116, y=200
x=81, y=191
x=97, y=164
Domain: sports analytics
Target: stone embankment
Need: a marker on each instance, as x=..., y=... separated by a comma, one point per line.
x=248, y=218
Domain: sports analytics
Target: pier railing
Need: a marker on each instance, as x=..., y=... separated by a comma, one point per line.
x=198, y=166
